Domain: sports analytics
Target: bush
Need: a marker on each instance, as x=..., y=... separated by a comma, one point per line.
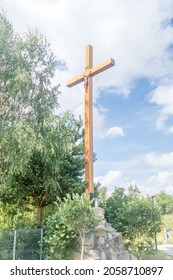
x=75, y=216
x=135, y=216
x=59, y=242
x=141, y=244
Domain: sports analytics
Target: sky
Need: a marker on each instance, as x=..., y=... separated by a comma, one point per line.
x=133, y=101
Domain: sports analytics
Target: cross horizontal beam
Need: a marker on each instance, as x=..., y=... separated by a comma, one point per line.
x=76, y=80
x=91, y=72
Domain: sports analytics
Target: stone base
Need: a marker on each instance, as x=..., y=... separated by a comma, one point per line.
x=104, y=243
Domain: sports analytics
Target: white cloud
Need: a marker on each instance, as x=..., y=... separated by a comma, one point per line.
x=155, y=160
x=162, y=178
x=164, y=160
x=99, y=124
x=162, y=96
x=149, y=162
x=151, y=172
x=162, y=181
x=131, y=32
x=115, y=131
x=111, y=179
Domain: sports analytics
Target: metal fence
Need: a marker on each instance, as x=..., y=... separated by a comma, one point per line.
x=21, y=245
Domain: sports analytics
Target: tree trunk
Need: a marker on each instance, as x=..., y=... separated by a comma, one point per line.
x=40, y=205
x=39, y=215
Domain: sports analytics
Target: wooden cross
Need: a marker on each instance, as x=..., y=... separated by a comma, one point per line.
x=86, y=77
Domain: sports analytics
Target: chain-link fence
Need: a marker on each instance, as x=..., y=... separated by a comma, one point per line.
x=21, y=245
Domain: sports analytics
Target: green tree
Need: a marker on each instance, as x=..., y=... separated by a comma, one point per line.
x=32, y=163
x=77, y=214
x=115, y=209
x=134, y=216
x=165, y=202
x=27, y=69
x=41, y=153
x=143, y=217
x=8, y=61
x=73, y=164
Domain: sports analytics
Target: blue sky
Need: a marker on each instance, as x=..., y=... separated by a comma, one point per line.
x=133, y=101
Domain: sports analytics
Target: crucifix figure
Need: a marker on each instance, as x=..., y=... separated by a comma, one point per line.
x=86, y=77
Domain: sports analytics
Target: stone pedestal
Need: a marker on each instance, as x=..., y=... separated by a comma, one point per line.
x=104, y=242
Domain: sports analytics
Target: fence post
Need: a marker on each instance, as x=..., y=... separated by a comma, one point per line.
x=14, y=245
x=41, y=245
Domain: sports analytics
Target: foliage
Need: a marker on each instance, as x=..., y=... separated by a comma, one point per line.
x=72, y=167
x=167, y=223
x=41, y=153
x=32, y=164
x=99, y=193
x=15, y=217
x=142, y=244
x=27, y=244
x=135, y=216
x=59, y=241
x=77, y=215
x=27, y=71
x=143, y=217
x=115, y=209
x=165, y=202
x=6, y=245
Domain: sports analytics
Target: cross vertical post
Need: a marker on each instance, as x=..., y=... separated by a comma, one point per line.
x=86, y=77
x=89, y=123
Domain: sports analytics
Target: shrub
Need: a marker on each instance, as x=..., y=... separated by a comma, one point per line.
x=59, y=242
x=141, y=244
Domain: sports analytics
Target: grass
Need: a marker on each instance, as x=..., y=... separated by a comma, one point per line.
x=157, y=255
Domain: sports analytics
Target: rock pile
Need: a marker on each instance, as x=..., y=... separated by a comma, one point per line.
x=104, y=243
